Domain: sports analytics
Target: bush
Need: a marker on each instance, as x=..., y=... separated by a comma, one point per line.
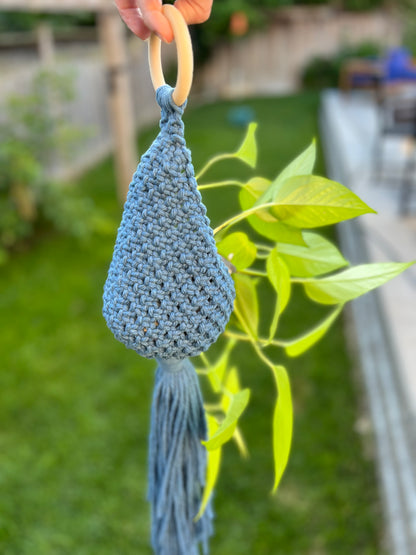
x=323, y=72
x=34, y=131
x=362, y=5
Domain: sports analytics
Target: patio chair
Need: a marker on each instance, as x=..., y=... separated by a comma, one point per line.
x=399, y=66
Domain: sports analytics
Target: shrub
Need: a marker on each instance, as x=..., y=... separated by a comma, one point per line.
x=323, y=72
x=33, y=132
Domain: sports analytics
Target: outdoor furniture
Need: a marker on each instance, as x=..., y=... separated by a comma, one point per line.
x=396, y=67
x=397, y=117
x=361, y=73
x=399, y=66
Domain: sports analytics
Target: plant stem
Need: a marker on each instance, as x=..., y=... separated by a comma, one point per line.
x=254, y=343
x=263, y=247
x=254, y=273
x=213, y=161
x=219, y=184
x=261, y=340
x=243, y=215
x=213, y=407
x=205, y=360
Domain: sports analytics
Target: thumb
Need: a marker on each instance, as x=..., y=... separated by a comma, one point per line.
x=154, y=19
x=132, y=17
x=194, y=11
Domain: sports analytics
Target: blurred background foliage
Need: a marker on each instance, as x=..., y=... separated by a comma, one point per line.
x=205, y=37
x=258, y=14
x=26, y=21
x=221, y=12
x=223, y=27
x=323, y=72
x=33, y=132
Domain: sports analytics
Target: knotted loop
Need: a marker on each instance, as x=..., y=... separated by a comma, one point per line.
x=164, y=99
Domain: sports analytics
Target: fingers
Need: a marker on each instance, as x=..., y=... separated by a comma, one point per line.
x=144, y=16
x=194, y=11
x=131, y=15
x=155, y=20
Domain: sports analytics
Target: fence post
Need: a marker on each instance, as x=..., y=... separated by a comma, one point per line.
x=120, y=98
x=46, y=45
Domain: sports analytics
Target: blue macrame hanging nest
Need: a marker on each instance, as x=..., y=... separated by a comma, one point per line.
x=168, y=293
x=168, y=296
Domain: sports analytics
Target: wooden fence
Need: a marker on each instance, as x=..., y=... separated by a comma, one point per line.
x=266, y=62
x=89, y=110
x=271, y=61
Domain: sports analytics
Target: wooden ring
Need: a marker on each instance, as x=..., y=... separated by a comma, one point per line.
x=184, y=54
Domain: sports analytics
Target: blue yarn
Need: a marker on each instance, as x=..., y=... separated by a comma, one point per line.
x=177, y=461
x=168, y=295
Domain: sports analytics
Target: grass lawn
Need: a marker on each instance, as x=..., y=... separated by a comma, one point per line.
x=74, y=405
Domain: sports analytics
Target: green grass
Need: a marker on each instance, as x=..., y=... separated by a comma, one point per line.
x=74, y=405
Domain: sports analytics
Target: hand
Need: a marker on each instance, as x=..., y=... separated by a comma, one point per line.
x=145, y=16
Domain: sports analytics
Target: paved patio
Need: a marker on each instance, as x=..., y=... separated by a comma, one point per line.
x=384, y=321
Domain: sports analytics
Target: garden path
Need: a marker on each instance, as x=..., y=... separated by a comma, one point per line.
x=384, y=321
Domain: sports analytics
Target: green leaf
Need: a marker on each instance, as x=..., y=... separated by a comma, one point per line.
x=246, y=305
x=300, y=344
x=252, y=191
x=276, y=231
x=248, y=149
x=319, y=256
x=307, y=201
x=247, y=152
x=239, y=401
x=213, y=467
x=279, y=277
x=302, y=165
x=265, y=223
x=352, y=283
x=240, y=442
x=232, y=386
x=313, y=201
x=282, y=424
x=238, y=249
x=217, y=370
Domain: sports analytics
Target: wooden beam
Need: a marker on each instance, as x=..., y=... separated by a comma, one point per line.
x=46, y=46
x=120, y=99
x=57, y=5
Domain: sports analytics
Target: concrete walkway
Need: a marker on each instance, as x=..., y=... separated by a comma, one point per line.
x=384, y=321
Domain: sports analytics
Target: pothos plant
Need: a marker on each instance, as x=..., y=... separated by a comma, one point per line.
x=282, y=212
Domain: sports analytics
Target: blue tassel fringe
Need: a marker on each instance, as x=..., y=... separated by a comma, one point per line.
x=177, y=461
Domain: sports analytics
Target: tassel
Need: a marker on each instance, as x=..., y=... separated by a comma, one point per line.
x=177, y=461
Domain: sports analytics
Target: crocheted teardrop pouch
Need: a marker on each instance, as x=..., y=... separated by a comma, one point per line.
x=168, y=296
